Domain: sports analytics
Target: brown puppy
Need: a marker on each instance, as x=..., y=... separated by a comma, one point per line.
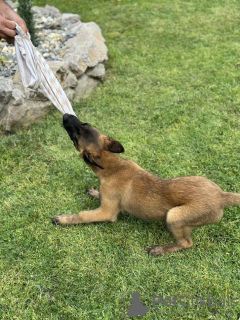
x=184, y=203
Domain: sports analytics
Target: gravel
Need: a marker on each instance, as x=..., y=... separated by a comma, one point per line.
x=52, y=31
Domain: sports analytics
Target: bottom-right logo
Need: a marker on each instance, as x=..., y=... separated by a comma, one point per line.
x=132, y=306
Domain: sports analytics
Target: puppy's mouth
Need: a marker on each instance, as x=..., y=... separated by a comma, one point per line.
x=73, y=127
x=71, y=122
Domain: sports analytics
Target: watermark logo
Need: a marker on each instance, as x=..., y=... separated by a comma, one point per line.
x=137, y=309
x=132, y=305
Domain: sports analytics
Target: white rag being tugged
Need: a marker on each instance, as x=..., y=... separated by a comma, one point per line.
x=36, y=74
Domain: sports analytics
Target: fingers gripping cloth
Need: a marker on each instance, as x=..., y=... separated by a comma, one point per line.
x=35, y=72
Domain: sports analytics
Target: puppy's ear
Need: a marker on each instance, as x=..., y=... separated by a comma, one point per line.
x=115, y=146
x=93, y=159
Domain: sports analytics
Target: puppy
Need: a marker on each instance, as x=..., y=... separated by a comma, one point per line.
x=184, y=202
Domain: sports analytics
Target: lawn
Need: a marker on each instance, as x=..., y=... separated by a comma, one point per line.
x=172, y=97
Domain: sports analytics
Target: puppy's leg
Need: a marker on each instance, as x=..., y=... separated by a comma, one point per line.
x=180, y=227
x=182, y=220
x=106, y=213
x=94, y=193
x=98, y=215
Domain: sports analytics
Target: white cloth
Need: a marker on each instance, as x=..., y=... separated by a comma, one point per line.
x=36, y=74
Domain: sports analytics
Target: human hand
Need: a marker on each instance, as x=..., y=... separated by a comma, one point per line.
x=8, y=20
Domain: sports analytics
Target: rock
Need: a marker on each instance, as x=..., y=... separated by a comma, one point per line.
x=34, y=95
x=76, y=64
x=17, y=78
x=6, y=73
x=70, y=81
x=12, y=116
x=97, y=72
x=89, y=44
x=24, y=115
x=51, y=10
x=58, y=66
x=37, y=9
x=69, y=18
x=69, y=35
x=5, y=49
x=62, y=53
x=70, y=93
x=18, y=97
x=52, y=56
x=74, y=27
x=46, y=55
x=6, y=89
x=14, y=69
x=85, y=87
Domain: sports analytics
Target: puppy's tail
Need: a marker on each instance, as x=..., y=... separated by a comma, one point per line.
x=230, y=199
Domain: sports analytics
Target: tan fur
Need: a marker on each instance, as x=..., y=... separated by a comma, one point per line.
x=184, y=202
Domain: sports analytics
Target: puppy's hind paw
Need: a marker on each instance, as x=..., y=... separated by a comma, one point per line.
x=93, y=193
x=157, y=251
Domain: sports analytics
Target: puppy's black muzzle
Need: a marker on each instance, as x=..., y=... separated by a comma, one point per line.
x=73, y=127
x=71, y=122
x=79, y=130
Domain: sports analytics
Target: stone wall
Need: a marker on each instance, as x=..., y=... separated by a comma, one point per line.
x=79, y=67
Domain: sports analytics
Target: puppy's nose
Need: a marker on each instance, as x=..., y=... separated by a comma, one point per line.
x=65, y=116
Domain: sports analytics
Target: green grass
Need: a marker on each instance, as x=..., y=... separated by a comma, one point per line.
x=171, y=96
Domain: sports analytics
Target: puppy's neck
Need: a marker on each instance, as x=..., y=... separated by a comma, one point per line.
x=111, y=163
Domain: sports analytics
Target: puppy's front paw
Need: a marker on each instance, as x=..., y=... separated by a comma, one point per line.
x=157, y=251
x=60, y=220
x=55, y=221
